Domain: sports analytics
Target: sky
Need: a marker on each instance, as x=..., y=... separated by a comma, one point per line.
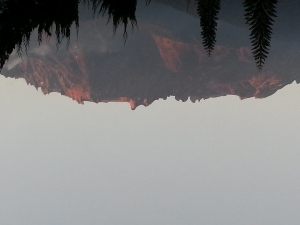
x=220, y=161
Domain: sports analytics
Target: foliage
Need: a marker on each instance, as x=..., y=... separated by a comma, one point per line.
x=121, y=12
x=259, y=15
x=208, y=11
x=18, y=19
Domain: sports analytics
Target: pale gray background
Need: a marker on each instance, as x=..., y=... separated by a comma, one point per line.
x=220, y=161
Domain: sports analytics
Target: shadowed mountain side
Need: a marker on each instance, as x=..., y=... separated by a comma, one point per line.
x=154, y=64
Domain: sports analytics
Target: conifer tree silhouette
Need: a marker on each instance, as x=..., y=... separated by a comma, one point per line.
x=121, y=12
x=259, y=16
x=20, y=18
x=208, y=11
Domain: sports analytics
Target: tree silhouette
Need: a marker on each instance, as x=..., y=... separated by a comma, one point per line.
x=19, y=18
x=259, y=15
x=121, y=12
x=208, y=11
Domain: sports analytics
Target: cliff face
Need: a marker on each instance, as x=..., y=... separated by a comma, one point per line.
x=153, y=64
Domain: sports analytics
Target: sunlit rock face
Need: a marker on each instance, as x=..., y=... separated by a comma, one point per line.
x=154, y=63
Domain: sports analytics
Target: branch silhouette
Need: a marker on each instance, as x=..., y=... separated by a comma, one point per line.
x=208, y=11
x=121, y=12
x=19, y=18
x=259, y=16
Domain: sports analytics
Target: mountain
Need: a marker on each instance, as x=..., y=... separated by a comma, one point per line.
x=158, y=60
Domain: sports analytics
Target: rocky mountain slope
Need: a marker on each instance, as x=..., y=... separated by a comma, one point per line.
x=155, y=63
